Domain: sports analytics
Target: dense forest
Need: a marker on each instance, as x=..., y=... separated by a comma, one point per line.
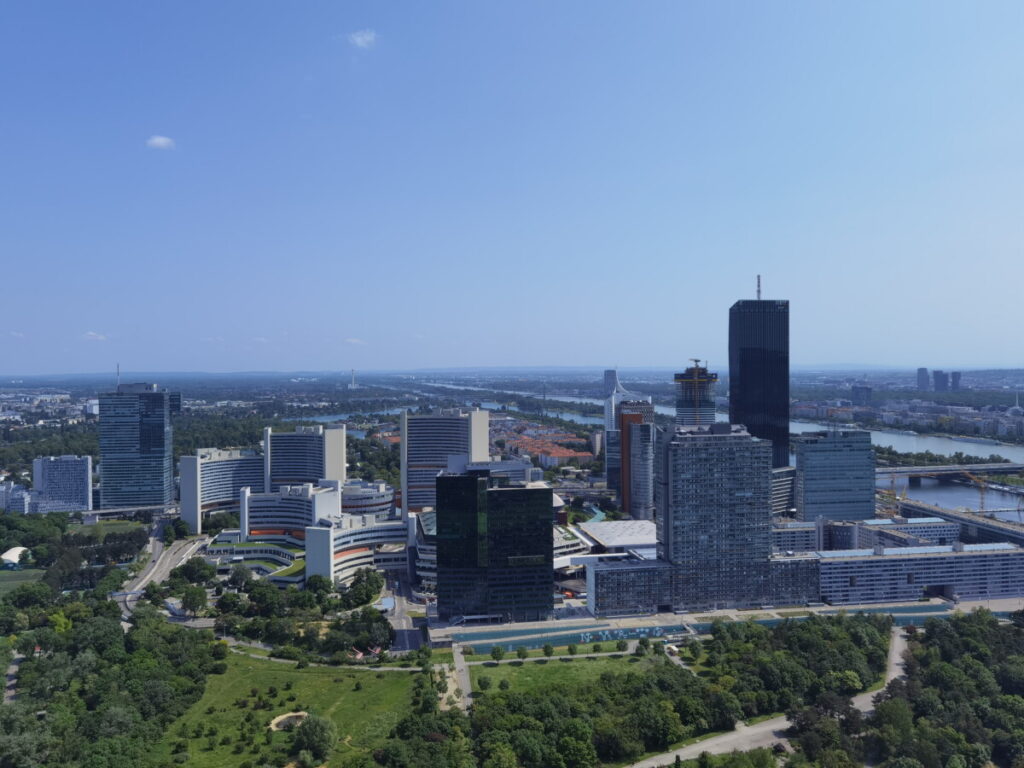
x=961, y=704
x=744, y=670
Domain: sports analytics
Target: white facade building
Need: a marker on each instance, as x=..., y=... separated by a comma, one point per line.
x=427, y=442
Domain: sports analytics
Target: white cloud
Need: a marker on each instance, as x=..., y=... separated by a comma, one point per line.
x=17, y=334
x=358, y=342
x=93, y=336
x=364, y=38
x=160, y=142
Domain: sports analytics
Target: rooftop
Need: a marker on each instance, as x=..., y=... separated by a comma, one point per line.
x=628, y=534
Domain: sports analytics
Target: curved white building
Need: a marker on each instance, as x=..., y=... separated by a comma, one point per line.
x=362, y=497
x=299, y=530
x=211, y=480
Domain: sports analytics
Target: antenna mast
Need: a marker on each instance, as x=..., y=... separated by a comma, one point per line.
x=118, y=374
x=758, y=287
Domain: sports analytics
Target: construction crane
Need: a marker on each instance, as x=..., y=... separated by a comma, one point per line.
x=982, y=487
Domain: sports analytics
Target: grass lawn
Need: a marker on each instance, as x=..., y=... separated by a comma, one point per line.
x=546, y=673
x=10, y=580
x=560, y=650
x=103, y=527
x=363, y=718
x=792, y=614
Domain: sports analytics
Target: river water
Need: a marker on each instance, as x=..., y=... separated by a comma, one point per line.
x=930, y=491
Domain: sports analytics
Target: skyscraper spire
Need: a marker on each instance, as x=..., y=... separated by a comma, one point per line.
x=758, y=287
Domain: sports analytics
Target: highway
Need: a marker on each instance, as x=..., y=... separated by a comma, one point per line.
x=163, y=560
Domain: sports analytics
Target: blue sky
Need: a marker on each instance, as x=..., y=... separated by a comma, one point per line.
x=282, y=186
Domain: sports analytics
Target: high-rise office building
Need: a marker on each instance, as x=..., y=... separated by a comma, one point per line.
x=860, y=394
x=954, y=381
x=65, y=482
x=211, y=479
x=923, y=381
x=642, y=438
x=713, y=498
x=759, y=372
x=941, y=380
x=835, y=476
x=307, y=455
x=494, y=549
x=695, y=397
x=635, y=466
x=136, y=456
x=616, y=395
x=427, y=442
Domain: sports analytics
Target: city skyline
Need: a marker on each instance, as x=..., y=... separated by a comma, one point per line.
x=353, y=164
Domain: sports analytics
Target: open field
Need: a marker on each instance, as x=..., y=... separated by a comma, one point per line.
x=103, y=527
x=10, y=580
x=547, y=673
x=212, y=731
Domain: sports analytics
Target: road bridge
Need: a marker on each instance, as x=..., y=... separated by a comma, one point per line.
x=951, y=470
x=973, y=527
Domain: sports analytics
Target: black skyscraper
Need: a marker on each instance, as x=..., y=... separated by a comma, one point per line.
x=759, y=372
x=494, y=549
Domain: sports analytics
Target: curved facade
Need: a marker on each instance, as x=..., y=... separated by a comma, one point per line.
x=212, y=480
x=360, y=497
x=307, y=455
x=427, y=442
x=303, y=529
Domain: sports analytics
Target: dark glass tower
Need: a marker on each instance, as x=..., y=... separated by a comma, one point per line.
x=136, y=457
x=759, y=372
x=494, y=549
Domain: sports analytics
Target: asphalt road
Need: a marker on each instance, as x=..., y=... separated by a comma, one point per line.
x=770, y=732
x=163, y=560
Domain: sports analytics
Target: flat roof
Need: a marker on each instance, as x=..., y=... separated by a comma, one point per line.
x=622, y=533
x=995, y=546
x=908, y=521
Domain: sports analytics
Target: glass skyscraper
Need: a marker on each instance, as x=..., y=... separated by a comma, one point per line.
x=494, y=549
x=759, y=372
x=136, y=456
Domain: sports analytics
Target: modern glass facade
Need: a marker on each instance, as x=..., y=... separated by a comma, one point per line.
x=494, y=549
x=64, y=480
x=759, y=372
x=835, y=476
x=136, y=458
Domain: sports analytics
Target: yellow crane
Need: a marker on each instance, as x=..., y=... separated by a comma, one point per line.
x=982, y=487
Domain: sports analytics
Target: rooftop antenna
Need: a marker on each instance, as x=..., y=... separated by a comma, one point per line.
x=118, y=374
x=758, y=287
x=696, y=396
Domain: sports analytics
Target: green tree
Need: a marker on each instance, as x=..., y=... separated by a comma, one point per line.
x=193, y=599
x=549, y=650
x=483, y=682
x=316, y=734
x=521, y=652
x=498, y=652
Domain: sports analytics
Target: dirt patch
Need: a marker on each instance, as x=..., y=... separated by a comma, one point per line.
x=281, y=722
